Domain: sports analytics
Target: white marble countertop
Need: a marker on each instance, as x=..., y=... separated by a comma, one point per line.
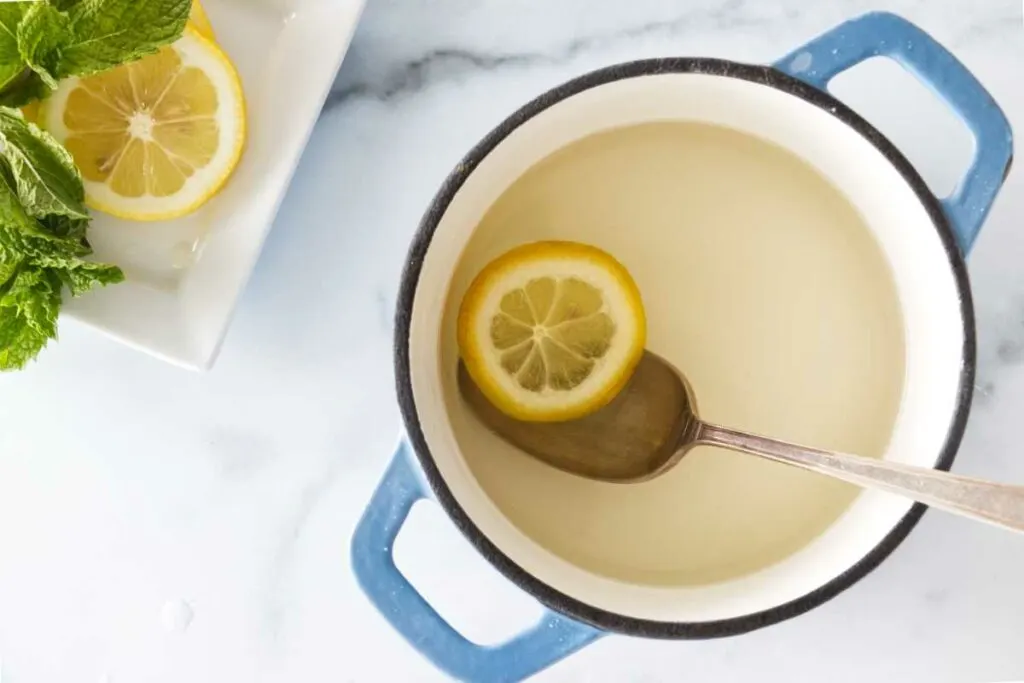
x=135, y=496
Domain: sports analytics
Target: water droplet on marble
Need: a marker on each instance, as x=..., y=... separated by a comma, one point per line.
x=176, y=616
x=183, y=254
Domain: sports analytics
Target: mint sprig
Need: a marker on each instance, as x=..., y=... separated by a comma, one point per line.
x=42, y=239
x=43, y=220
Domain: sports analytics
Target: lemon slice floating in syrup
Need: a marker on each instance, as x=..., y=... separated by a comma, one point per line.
x=552, y=331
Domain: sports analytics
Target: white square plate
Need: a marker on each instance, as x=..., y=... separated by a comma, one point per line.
x=185, y=276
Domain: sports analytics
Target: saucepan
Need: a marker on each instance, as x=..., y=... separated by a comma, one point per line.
x=445, y=453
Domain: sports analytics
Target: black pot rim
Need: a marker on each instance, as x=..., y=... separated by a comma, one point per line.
x=549, y=596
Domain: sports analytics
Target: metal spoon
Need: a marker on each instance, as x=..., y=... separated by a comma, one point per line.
x=653, y=423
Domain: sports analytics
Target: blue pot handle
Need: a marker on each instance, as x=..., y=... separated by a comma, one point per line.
x=552, y=639
x=883, y=34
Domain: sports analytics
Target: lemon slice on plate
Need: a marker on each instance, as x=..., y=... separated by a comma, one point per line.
x=552, y=331
x=157, y=138
x=197, y=19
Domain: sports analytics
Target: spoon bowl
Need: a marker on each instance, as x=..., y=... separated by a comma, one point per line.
x=639, y=435
x=653, y=423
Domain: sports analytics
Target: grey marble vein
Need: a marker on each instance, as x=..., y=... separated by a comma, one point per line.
x=450, y=63
x=360, y=78
x=288, y=536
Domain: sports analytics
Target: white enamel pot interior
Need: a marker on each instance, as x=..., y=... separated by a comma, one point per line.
x=906, y=221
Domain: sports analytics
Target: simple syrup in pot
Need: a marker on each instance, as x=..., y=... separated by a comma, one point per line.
x=759, y=278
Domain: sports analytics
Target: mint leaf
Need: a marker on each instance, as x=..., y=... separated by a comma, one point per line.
x=30, y=288
x=11, y=63
x=19, y=84
x=108, y=33
x=22, y=293
x=23, y=238
x=26, y=87
x=9, y=265
x=44, y=173
x=42, y=239
x=63, y=4
x=29, y=305
x=42, y=35
x=62, y=226
x=86, y=275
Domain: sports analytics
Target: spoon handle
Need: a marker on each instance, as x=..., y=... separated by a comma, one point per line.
x=986, y=501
